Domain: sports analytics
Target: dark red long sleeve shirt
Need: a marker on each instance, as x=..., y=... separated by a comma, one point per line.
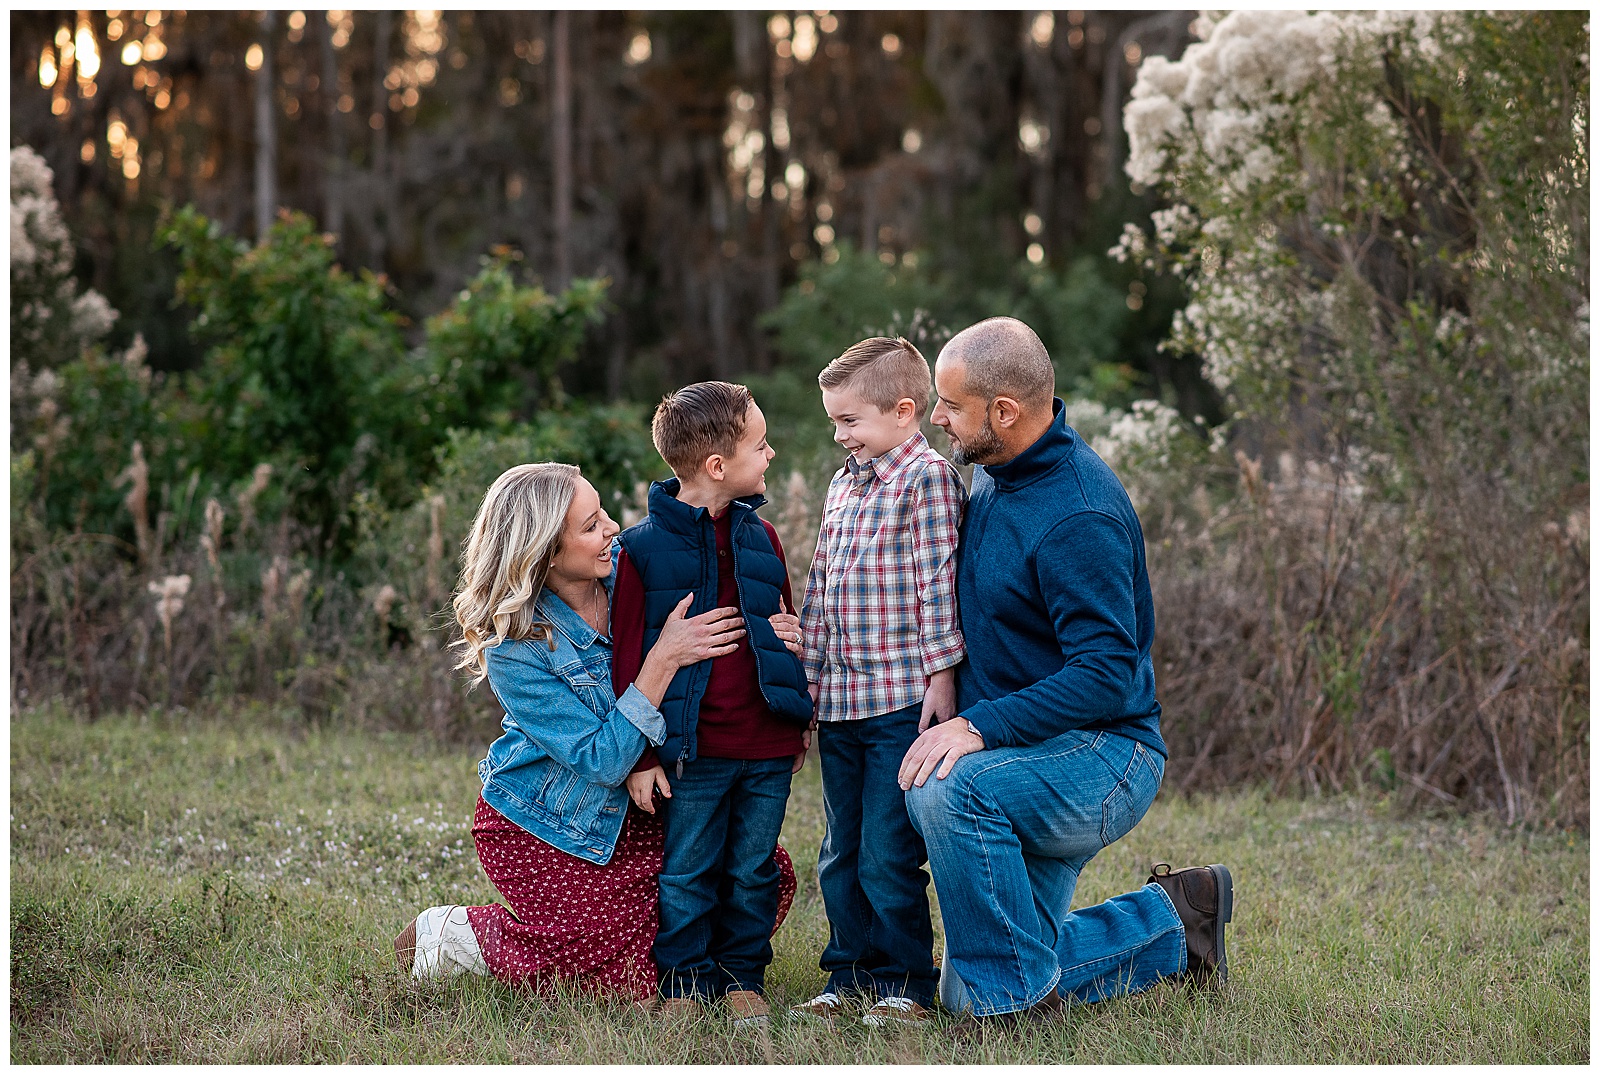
x=734, y=721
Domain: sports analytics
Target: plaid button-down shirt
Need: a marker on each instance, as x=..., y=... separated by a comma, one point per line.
x=879, y=614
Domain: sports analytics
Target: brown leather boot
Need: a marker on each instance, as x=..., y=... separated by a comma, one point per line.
x=1052, y=1009
x=1203, y=897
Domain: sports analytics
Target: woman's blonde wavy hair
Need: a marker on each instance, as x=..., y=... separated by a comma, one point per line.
x=505, y=559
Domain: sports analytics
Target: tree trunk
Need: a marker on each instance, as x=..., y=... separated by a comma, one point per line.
x=561, y=146
x=266, y=134
x=333, y=168
x=379, y=122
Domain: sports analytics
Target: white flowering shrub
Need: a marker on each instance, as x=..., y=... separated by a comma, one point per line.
x=1382, y=221
x=1382, y=218
x=52, y=321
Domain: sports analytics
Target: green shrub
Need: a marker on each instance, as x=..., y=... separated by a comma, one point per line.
x=306, y=367
x=493, y=355
x=1077, y=311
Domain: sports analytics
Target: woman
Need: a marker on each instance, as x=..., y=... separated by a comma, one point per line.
x=554, y=828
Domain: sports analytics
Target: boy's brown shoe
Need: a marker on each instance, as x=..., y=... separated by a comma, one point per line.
x=1203, y=898
x=747, y=1008
x=679, y=1008
x=822, y=1008
x=896, y=1011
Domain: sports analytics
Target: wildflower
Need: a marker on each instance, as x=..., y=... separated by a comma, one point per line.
x=272, y=580
x=247, y=499
x=169, y=593
x=137, y=477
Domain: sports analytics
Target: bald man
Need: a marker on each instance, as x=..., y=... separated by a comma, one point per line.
x=1056, y=750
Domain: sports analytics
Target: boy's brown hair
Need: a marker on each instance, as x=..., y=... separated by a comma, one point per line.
x=698, y=421
x=883, y=371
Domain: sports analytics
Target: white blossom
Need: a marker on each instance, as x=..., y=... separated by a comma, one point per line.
x=51, y=318
x=92, y=315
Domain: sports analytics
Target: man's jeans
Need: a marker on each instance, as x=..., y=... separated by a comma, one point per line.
x=880, y=934
x=1008, y=832
x=719, y=882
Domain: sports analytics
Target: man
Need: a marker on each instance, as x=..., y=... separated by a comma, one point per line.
x=1056, y=750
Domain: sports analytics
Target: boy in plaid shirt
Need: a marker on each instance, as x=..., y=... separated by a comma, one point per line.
x=881, y=645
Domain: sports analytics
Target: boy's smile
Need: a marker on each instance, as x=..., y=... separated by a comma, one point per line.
x=745, y=471
x=864, y=430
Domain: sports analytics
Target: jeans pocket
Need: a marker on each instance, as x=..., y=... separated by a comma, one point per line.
x=1117, y=814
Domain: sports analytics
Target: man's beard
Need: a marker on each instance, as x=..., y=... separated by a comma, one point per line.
x=980, y=446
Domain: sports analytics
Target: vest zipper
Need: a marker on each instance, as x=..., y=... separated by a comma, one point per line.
x=738, y=586
x=688, y=734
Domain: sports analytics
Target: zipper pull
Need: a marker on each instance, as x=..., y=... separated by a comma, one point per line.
x=680, y=768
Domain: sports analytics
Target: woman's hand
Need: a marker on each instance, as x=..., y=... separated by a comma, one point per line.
x=642, y=788
x=686, y=641
x=787, y=626
x=698, y=638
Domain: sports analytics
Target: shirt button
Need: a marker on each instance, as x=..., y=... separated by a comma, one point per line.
x=721, y=553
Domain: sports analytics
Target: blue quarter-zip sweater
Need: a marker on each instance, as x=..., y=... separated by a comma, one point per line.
x=1054, y=598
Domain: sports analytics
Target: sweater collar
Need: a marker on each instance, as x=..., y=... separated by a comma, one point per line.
x=1040, y=457
x=890, y=463
x=668, y=511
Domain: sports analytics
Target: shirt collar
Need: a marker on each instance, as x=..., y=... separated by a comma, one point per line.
x=563, y=618
x=890, y=463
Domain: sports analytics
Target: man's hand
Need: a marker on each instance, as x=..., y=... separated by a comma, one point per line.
x=939, y=704
x=945, y=743
x=642, y=786
x=805, y=746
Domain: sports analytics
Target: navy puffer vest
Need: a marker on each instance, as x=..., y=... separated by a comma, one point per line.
x=675, y=552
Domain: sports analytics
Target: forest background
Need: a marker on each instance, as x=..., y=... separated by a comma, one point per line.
x=289, y=290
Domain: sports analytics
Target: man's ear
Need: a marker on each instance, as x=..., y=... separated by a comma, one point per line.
x=1006, y=412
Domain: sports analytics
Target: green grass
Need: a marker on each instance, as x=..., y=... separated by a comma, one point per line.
x=226, y=890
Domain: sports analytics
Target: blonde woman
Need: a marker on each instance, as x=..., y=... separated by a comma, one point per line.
x=554, y=828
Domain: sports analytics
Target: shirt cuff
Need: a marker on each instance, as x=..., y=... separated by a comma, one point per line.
x=642, y=715
x=943, y=652
x=813, y=660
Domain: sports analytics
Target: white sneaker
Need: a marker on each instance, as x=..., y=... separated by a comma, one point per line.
x=446, y=945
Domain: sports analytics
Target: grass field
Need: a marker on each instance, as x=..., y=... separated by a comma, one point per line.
x=226, y=890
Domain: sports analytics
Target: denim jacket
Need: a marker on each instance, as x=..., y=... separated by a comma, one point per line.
x=569, y=742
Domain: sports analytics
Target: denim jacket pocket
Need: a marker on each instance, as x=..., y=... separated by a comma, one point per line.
x=590, y=690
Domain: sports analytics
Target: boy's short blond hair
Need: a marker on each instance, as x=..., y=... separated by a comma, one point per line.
x=698, y=421
x=882, y=371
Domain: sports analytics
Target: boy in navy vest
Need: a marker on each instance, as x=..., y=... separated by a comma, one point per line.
x=737, y=722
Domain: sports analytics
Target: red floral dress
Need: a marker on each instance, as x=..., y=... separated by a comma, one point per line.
x=570, y=919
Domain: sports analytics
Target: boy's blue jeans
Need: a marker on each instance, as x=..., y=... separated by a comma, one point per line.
x=1008, y=832
x=719, y=883
x=880, y=934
